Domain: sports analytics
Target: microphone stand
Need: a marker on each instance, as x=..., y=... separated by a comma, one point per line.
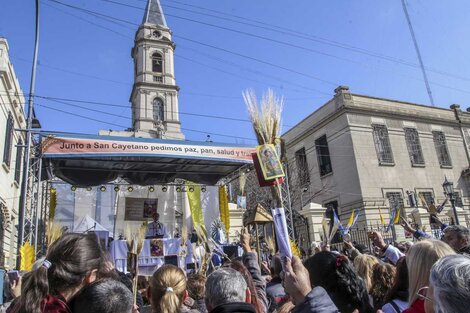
x=92, y=227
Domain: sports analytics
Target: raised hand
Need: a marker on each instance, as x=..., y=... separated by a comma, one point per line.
x=245, y=239
x=406, y=225
x=377, y=239
x=296, y=279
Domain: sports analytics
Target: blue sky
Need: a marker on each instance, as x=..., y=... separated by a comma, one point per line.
x=311, y=46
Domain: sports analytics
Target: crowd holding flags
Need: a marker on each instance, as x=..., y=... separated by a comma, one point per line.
x=330, y=227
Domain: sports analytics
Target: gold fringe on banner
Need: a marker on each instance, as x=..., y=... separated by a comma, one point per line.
x=27, y=256
x=223, y=208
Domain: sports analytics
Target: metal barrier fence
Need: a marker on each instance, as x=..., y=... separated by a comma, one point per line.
x=359, y=235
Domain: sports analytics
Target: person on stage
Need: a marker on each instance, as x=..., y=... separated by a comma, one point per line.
x=156, y=229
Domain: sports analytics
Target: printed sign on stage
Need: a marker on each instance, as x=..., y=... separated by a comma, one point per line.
x=140, y=209
x=57, y=146
x=156, y=247
x=150, y=207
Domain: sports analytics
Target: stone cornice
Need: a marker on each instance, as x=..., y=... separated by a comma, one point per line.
x=143, y=41
x=414, y=112
x=153, y=86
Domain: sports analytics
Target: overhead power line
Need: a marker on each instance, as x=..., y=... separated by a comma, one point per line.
x=207, y=45
x=279, y=29
x=415, y=42
x=112, y=114
x=99, y=15
x=96, y=14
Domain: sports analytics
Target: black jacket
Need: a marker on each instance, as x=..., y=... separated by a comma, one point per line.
x=234, y=307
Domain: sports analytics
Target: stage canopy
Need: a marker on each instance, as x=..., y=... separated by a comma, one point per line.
x=90, y=160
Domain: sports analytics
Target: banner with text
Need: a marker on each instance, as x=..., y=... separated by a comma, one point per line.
x=57, y=146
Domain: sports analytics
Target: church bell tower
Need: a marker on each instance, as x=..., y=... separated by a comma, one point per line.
x=154, y=95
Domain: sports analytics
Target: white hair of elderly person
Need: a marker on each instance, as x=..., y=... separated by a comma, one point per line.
x=449, y=289
x=227, y=289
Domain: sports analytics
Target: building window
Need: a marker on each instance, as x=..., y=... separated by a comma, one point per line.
x=157, y=63
x=19, y=154
x=302, y=167
x=395, y=200
x=330, y=207
x=323, y=156
x=158, y=110
x=441, y=148
x=8, y=140
x=382, y=144
x=428, y=197
x=414, y=146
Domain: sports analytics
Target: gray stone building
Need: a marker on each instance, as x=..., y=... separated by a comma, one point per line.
x=365, y=152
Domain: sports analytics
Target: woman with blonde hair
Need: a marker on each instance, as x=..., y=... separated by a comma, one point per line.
x=167, y=290
x=419, y=260
x=364, y=264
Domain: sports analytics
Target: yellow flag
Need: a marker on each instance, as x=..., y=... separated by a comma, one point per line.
x=397, y=217
x=194, y=198
x=351, y=219
x=223, y=208
x=52, y=203
x=381, y=217
x=27, y=257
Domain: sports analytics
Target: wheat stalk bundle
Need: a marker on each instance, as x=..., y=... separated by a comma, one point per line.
x=135, y=243
x=266, y=116
x=266, y=120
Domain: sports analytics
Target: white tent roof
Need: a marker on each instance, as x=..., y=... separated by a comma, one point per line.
x=88, y=224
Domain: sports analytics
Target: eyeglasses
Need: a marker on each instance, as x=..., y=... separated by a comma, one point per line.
x=422, y=294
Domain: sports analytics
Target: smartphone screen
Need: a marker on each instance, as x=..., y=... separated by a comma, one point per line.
x=13, y=275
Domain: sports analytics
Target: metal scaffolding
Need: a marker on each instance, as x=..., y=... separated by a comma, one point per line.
x=35, y=209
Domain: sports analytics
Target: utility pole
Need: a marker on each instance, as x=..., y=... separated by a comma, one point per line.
x=27, y=154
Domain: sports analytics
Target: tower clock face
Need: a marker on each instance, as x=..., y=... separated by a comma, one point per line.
x=156, y=34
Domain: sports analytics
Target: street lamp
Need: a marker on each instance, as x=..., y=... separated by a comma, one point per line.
x=448, y=187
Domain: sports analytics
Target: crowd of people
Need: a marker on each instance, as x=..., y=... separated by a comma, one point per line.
x=431, y=276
